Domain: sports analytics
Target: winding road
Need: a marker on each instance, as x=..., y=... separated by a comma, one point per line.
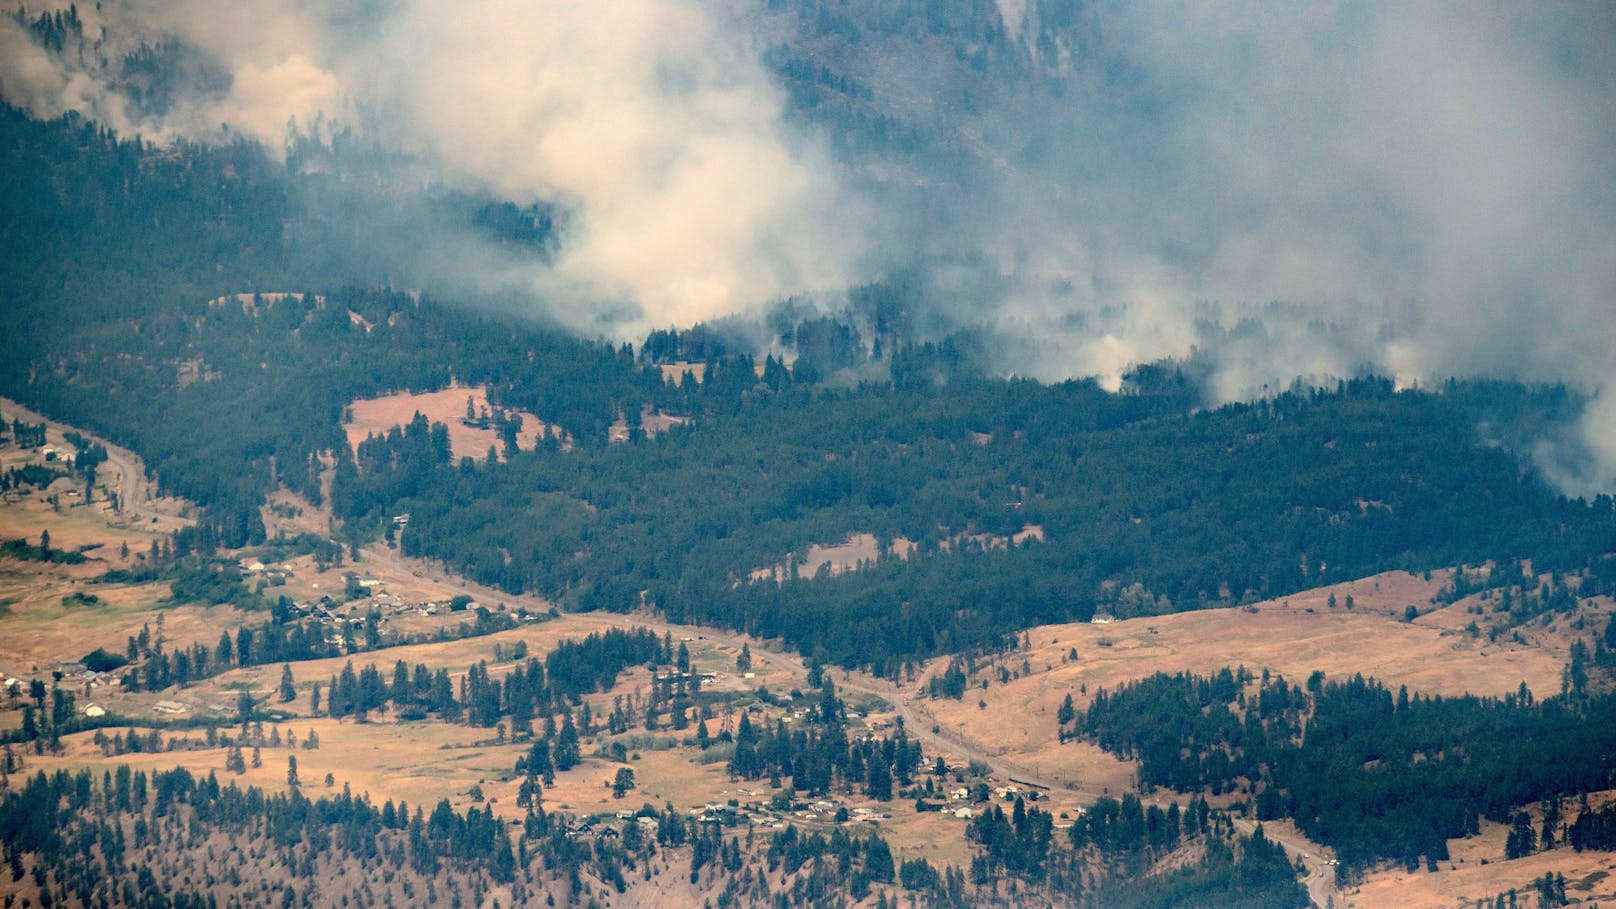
x=134, y=491
x=918, y=723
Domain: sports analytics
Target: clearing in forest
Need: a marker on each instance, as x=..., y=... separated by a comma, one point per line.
x=467, y=438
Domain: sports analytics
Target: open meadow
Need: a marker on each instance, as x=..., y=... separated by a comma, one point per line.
x=53, y=614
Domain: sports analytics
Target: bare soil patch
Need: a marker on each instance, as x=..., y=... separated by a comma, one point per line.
x=1033, y=532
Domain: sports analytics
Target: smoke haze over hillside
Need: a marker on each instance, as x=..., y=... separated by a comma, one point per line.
x=1282, y=190
x=656, y=127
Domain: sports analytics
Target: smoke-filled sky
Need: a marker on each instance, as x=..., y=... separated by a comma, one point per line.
x=1289, y=190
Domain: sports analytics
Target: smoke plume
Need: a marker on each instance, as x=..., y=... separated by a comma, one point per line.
x=653, y=124
x=1280, y=190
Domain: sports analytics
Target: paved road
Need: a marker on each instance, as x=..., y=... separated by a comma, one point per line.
x=133, y=491
x=918, y=722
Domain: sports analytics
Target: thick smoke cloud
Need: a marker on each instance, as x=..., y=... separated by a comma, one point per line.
x=659, y=129
x=1276, y=190
x=269, y=52
x=1303, y=190
x=650, y=121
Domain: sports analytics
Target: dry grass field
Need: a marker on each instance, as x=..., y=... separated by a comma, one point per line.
x=448, y=406
x=861, y=548
x=675, y=372
x=39, y=627
x=1478, y=871
x=836, y=559
x=1011, y=719
x=1292, y=636
x=651, y=422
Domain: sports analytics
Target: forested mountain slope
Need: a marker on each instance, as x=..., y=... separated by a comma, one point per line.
x=117, y=279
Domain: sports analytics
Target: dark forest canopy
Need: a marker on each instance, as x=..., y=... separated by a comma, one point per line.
x=111, y=262
x=1372, y=774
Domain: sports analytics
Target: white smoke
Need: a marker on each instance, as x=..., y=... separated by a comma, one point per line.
x=1286, y=190
x=650, y=120
x=655, y=125
x=1419, y=189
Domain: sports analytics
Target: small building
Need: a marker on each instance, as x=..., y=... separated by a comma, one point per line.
x=964, y=814
x=94, y=710
x=170, y=707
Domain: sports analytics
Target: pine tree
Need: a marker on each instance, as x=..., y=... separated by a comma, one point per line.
x=1522, y=841
x=878, y=780
x=566, y=746
x=288, y=687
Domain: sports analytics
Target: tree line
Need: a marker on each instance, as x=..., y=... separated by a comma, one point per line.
x=1374, y=774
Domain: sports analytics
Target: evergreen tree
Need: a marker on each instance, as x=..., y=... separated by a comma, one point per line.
x=288, y=687
x=566, y=746
x=1522, y=840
